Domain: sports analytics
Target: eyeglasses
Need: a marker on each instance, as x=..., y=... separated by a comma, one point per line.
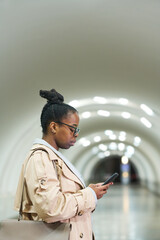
x=75, y=131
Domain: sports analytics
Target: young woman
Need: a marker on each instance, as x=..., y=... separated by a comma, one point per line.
x=54, y=190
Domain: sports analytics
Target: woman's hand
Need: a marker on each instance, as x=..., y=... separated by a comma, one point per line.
x=99, y=189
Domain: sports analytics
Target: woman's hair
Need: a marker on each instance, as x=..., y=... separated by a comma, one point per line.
x=55, y=109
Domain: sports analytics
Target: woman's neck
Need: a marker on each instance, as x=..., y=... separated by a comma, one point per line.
x=49, y=139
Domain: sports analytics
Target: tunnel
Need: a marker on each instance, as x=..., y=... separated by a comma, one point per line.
x=103, y=57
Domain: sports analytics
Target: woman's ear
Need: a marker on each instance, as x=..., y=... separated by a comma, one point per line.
x=52, y=127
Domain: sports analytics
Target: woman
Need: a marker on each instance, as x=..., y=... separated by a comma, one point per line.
x=54, y=190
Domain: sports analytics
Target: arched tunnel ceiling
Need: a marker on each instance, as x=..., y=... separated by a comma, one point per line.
x=83, y=49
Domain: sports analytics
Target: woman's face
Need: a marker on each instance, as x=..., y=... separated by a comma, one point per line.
x=64, y=136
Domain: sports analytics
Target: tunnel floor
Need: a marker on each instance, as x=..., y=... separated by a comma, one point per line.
x=127, y=213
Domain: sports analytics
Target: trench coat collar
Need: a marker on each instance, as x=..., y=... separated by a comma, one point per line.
x=53, y=153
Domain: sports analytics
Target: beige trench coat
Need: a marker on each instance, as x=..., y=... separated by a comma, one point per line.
x=52, y=192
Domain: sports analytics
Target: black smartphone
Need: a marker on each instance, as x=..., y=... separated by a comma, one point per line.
x=111, y=178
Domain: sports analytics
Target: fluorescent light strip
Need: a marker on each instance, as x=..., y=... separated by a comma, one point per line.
x=108, y=132
x=103, y=113
x=85, y=142
x=122, y=138
x=130, y=150
x=137, y=141
x=74, y=103
x=147, y=110
x=146, y=122
x=121, y=146
x=126, y=115
x=100, y=100
x=102, y=147
x=97, y=138
x=86, y=114
x=106, y=153
x=112, y=146
x=113, y=137
x=123, y=101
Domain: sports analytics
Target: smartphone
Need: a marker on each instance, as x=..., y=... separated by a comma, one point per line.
x=111, y=178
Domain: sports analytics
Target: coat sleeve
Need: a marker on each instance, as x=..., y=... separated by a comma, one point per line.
x=43, y=187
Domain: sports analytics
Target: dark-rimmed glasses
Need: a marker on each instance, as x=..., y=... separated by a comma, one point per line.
x=76, y=130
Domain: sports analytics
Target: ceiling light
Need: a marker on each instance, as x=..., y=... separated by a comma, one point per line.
x=113, y=137
x=97, y=138
x=106, y=153
x=95, y=150
x=85, y=142
x=123, y=101
x=108, y=132
x=121, y=146
x=122, y=138
x=146, y=122
x=102, y=147
x=126, y=115
x=137, y=141
x=146, y=109
x=86, y=114
x=100, y=100
x=74, y=103
x=103, y=113
x=113, y=146
x=130, y=150
x=124, y=160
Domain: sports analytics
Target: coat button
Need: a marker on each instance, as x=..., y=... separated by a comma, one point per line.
x=43, y=181
x=80, y=213
x=81, y=235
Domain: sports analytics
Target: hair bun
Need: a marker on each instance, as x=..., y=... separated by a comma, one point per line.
x=52, y=96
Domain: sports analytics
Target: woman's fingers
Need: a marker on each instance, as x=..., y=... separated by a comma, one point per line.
x=100, y=189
